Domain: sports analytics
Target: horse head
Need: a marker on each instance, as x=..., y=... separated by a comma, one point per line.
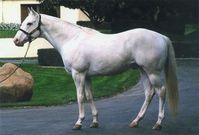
x=30, y=28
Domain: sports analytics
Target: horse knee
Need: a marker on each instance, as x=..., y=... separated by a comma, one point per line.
x=88, y=97
x=80, y=98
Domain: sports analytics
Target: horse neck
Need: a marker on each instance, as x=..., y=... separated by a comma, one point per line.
x=57, y=31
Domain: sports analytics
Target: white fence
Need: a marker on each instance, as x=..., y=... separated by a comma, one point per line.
x=9, y=50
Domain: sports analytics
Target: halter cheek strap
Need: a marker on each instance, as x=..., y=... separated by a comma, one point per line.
x=29, y=34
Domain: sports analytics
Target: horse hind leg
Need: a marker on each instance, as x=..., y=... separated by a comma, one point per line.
x=162, y=94
x=161, y=91
x=149, y=93
x=89, y=96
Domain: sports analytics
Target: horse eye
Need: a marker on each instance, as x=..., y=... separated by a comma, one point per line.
x=29, y=24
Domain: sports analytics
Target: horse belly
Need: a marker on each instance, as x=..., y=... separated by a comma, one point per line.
x=107, y=70
x=108, y=66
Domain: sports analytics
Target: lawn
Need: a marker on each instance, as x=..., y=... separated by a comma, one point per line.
x=53, y=86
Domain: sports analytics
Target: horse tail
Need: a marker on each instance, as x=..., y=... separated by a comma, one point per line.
x=171, y=78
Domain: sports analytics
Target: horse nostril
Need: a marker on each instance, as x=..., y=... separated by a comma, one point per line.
x=16, y=40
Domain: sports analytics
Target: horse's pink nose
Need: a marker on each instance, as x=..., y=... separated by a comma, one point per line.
x=16, y=41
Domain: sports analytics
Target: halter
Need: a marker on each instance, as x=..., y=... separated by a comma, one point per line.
x=29, y=40
x=29, y=34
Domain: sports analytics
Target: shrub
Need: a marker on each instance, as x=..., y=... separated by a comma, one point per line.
x=9, y=26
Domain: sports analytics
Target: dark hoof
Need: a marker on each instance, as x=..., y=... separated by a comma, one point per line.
x=133, y=125
x=94, y=125
x=77, y=127
x=157, y=127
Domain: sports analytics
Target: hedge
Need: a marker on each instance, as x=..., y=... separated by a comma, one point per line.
x=186, y=49
x=173, y=27
x=49, y=57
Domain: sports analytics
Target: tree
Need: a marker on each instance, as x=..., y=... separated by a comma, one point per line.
x=97, y=11
x=152, y=11
x=47, y=7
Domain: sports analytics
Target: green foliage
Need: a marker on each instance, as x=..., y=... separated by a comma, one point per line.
x=154, y=11
x=52, y=86
x=9, y=26
x=8, y=30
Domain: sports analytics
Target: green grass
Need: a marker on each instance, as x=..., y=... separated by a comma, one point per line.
x=52, y=86
x=7, y=33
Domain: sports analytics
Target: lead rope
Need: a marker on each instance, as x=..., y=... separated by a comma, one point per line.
x=22, y=61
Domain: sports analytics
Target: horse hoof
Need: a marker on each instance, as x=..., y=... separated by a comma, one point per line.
x=77, y=127
x=133, y=125
x=94, y=125
x=157, y=127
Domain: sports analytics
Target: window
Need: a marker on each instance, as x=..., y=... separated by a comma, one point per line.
x=52, y=11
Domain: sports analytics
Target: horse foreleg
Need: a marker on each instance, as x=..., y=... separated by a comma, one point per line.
x=79, y=79
x=161, y=93
x=89, y=96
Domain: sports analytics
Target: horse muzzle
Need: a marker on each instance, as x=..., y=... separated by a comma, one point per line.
x=17, y=42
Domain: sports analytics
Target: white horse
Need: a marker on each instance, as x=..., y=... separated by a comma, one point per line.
x=87, y=52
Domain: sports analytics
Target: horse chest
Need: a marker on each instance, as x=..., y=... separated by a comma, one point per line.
x=74, y=61
x=67, y=67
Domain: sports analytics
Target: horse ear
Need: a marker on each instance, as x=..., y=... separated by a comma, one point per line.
x=33, y=11
x=29, y=10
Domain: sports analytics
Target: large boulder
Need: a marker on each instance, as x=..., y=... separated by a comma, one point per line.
x=18, y=87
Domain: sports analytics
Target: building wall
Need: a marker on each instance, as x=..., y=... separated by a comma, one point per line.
x=1, y=11
x=10, y=12
x=82, y=16
x=70, y=15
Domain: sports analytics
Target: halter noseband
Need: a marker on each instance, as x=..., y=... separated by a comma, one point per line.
x=33, y=31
